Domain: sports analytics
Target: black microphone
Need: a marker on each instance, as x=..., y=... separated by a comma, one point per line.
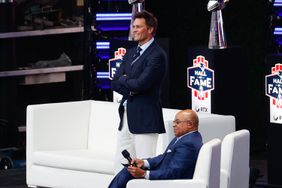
x=126, y=155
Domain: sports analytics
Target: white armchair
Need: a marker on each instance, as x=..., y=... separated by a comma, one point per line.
x=206, y=174
x=235, y=153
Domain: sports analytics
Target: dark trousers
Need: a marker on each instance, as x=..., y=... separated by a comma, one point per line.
x=121, y=179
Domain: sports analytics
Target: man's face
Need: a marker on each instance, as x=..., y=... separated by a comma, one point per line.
x=141, y=32
x=181, y=125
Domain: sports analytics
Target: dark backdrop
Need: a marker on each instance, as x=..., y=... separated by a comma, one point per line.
x=246, y=24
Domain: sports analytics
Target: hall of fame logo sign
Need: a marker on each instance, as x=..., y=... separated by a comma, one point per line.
x=273, y=89
x=115, y=62
x=200, y=79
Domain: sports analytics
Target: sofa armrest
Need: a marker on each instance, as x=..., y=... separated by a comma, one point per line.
x=141, y=183
x=57, y=126
x=224, y=178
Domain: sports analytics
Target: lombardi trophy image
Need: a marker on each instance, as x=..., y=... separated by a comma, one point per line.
x=217, y=37
x=137, y=6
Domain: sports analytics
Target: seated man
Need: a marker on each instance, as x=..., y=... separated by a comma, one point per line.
x=177, y=162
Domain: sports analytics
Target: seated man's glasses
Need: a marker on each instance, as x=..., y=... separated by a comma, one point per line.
x=177, y=122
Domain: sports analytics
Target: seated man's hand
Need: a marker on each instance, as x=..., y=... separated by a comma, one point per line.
x=136, y=172
x=139, y=162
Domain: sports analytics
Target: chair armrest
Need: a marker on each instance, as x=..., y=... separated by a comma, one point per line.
x=224, y=178
x=141, y=183
x=57, y=126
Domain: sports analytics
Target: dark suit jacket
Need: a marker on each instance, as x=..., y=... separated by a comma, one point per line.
x=141, y=88
x=179, y=159
x=177, y=162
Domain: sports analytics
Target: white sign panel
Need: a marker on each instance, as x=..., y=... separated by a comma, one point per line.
x=273, y=89
x=200, y=79
x=114, y=64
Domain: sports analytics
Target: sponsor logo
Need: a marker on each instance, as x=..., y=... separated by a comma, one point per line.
x=200, y=78
x=277, y=117
x=115, y=63
x=201, y=109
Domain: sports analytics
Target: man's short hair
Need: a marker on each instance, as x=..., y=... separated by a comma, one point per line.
x=150, y=19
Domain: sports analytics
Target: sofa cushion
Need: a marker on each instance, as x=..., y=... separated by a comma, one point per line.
x=80, y=160
x=216, y=126
x=103, y=128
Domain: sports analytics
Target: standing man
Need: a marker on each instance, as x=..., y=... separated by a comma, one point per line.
x=139, y=80
x=177, y=162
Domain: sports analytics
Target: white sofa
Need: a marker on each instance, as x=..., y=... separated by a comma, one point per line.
x=72, y=144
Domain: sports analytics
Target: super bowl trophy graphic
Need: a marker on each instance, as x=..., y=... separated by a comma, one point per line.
x=217, y=37
x=137, y=6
